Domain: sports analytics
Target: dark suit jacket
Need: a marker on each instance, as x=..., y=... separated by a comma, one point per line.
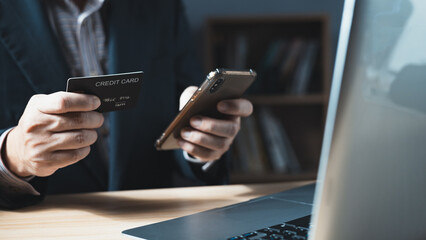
x=152, y=36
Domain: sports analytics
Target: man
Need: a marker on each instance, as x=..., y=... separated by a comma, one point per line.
x=54, y=142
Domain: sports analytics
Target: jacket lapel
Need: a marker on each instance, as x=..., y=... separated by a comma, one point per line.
x=26, y=33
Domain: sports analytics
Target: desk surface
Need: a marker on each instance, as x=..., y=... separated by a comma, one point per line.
x=104, y=215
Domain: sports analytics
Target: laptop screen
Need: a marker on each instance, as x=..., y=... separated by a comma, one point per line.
x=373, y=163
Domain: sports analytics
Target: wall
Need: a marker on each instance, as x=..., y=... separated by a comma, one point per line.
x=199, y=10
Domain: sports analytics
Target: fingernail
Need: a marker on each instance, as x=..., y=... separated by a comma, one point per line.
x=181, y=142
x=186, y=134
x=223, y=106
x=96, y=102
x=196, y=122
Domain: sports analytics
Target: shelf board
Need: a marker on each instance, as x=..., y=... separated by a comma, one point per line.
x=311, y=99
x=243, y=178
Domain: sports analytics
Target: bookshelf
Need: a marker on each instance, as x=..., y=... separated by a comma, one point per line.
x=282, y=140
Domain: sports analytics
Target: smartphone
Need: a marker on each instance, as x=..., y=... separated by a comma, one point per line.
x=219, y=85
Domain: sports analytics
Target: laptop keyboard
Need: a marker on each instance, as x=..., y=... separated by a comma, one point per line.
x=293, y=230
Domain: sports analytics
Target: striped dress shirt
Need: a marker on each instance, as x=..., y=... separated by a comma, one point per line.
x=81, y=35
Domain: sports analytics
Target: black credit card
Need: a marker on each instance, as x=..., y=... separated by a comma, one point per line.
x=116, y=91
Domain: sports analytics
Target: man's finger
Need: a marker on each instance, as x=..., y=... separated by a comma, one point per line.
x=75, y=120
x=73, y=139
x=59, y=159
x=186, y=95
x=63, y=158
x=218, y=127
x=63, y=102
x=199, y=152
x=236, y=107
x=205, y=140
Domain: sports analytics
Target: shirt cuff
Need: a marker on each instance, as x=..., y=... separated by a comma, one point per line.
x=10, y=181
x=206, y=165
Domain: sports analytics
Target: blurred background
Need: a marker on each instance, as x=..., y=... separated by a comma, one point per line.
x=291, y=45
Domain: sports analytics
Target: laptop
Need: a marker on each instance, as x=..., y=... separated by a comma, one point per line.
x=372, y=176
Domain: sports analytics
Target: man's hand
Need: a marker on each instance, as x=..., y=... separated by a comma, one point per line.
x=208, y=139
x=54, y=131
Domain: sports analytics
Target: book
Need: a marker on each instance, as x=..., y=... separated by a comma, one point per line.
x=249, y=146
x=267, y=68
x=240, y=154
x=305, y=68
x=257, y=156
x=289, y=64
x=280, y=152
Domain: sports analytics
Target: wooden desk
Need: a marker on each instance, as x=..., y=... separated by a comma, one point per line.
x=104, y=215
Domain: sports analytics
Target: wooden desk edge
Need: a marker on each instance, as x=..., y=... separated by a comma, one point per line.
x=103, y=215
